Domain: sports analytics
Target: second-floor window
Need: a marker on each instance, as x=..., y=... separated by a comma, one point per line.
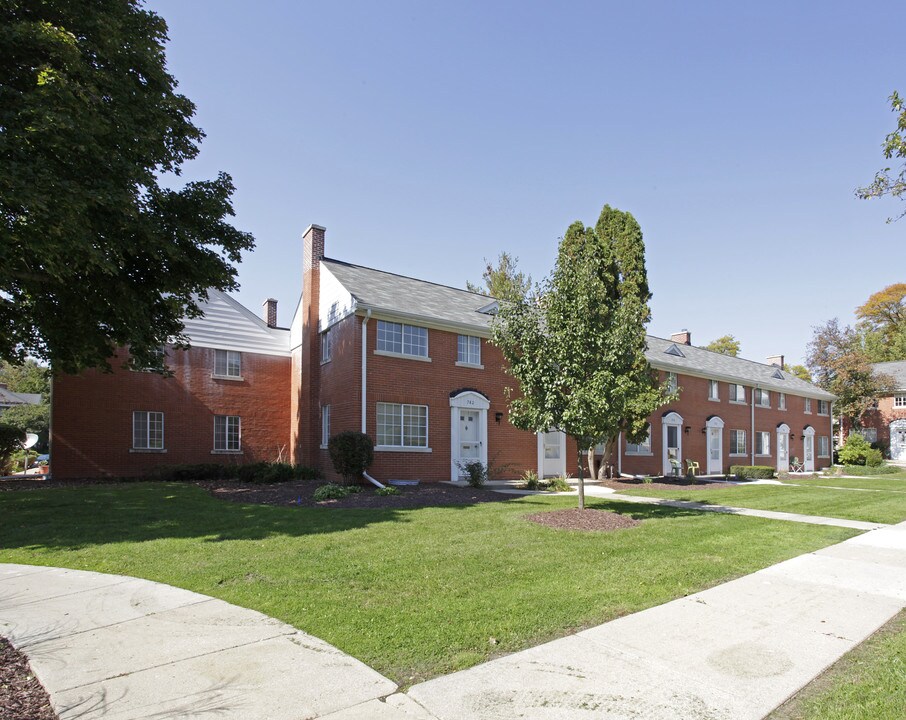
x=713, y=390
x=781, y=401
x=468, y=350
x=671, y=381
x=808, y=405
x=227, y=363
x=326, y=345
x=762, y=398
x=737, y=393
x=402, y=339
x=899, y=400
x=823, y=407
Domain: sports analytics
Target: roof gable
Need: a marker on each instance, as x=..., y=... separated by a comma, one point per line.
x=229, y=325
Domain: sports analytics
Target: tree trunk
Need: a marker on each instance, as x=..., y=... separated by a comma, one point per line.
x=581, y=479
x=592, y=466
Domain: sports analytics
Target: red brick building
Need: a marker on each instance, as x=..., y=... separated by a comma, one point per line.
x=410, y=363
x=885, y=424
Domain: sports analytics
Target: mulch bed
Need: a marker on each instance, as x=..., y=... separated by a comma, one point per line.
x=22, y=697
x=664, y=483
x=300, y=494
x=588, y=520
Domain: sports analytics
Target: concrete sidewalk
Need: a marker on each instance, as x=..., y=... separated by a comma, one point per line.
x=115, y=647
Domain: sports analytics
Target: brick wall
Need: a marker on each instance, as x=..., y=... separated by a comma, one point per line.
x=91, y=432
x=881, y=417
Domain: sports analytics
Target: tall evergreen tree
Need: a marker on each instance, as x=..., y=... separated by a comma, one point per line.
x=576, y=347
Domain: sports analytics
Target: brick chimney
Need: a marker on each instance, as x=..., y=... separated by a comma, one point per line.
x=683, y=337
x=312, y=246
x=269, y=312
x=776, y=360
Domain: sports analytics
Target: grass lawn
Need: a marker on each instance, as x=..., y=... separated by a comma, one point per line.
x=882, y=507
x=413, y=593
x=892, y=483
x=867, y=684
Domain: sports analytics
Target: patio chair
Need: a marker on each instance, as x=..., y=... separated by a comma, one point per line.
x=692, y=467
x=676, y=467
x=796, y=465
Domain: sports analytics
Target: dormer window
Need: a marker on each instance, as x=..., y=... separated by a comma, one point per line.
x=674, y=350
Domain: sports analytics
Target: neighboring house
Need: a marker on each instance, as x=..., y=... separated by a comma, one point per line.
x=9, y=399
x=885, y=424
x=410, y=363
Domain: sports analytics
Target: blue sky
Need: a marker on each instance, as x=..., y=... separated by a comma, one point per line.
x=426, y=136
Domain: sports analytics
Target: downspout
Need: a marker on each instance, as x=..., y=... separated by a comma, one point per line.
x=753, y=424
x=365, y=371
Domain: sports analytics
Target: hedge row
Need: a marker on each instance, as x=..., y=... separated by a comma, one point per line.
x=752, y=472
x=260, y=472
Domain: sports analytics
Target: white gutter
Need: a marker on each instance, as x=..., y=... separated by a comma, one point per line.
x=365, y=371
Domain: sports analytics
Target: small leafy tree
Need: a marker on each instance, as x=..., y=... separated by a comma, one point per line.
x=725, y=345
x=801, y=372
x=890, y=182
x=10, y=441
x=351, y=453
x=577, y=345
x=858, y=451
x=504, y=281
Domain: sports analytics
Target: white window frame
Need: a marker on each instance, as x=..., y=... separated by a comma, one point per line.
x=227, y=421
x=764, y=439
x=808, y=406
x=672, y=381
x=762, y=398
x=325, y=425
x=735, y=391
x=823, y=446
x=714, y=390
x=145, y=419
x=824, y=407
x=781, y=401
x=643, y=448
x=899, y=401
x=228, y=361
x=401, y=340
x=468, y=351
x=735, y=435
x=404, y=409
x=326, y=345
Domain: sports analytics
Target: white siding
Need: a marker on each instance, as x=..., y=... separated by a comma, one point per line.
x=335, y=302
x=230, y=326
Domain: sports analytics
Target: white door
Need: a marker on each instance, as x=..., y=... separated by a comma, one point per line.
x=898, y=440
x=673, y=443
x=783, y=451
x=715, y=451
x=469, y=439
x=553, y=454
x=808, y=442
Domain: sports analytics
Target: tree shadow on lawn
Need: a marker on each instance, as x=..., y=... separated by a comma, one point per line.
x=76, y=518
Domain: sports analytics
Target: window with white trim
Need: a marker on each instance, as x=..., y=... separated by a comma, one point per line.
x=671, y=382
x=823, y=446
x=899, y=400
x=642, y=448
x=808, y=405
x=468, y=350
x=762, y=398
x=870, y=434
x=227, y=433
x=401, y=425
x=781, y=401
x=713, y=390
x=326, y=345
x=402, y=339
x=147, y=430
x=824, y=407
x=737, y=442
x=737, y=393
x=227, y=363
x=325, y=425
x=762, y=443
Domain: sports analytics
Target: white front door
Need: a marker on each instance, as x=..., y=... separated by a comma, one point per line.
x=552, y=451
x=468, y=430
x=673, y=442
x=898, y=440
x=808, y=442
x=715, y=450
x=783, y=448
x=469, y=441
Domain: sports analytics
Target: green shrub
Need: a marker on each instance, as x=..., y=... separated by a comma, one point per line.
x=530, y=480
x=189, y=473
x=558, y=484
x=858, y=451
x=10, y=442
x=351, y=454
x=304, y=472
x=331, y=491
x=387, y=490
x=752, y=472
x=476, y=472
x=869, y=470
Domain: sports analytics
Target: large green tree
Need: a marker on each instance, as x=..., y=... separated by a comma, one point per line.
x=883, y=323
x=576, y=346
x=890, y=181
x=725, y=345
x=27, y=377
x=503, y=281
x=95, y=252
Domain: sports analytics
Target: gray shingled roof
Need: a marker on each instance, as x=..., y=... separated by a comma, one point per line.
x=896, y=369
x=8, y=398
x=404, y=296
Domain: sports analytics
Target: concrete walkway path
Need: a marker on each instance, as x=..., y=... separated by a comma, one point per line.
x=107, y=646
x=116, y=647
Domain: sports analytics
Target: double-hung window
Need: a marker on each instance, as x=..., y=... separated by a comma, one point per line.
x=737, y=393
x=781, y=401
x=326, y=345
x=823, y=407
x=762, y=398
x=671, y=382
x=402, y=339
x=642, y=448
x=227, y=364
x=325, y=425
x=899, y=400
x=147, y=430
x=762, y=443
x=870, y=434
x=808, y=405
x=227, y=433
x=737, y=442
x=823, y=446
x=468, y=350
x=401, y=425
x=713, y=390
